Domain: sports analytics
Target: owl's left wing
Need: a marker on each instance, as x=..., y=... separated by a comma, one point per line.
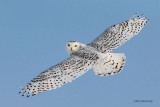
x=118, y=34
x=57, y=75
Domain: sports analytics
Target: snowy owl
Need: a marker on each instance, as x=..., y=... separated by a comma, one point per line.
x=95, y=55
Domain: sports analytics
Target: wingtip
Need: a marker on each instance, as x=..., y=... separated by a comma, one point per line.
x=139, y=17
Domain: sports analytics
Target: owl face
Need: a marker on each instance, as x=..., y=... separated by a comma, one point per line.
x=72, y=46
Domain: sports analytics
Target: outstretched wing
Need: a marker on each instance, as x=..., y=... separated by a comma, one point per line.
x=118, y=34
x=57, y=75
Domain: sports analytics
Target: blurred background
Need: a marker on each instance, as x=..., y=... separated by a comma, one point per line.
x=33, y=34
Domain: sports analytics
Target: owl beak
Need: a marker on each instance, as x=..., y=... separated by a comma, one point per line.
x=71, y=49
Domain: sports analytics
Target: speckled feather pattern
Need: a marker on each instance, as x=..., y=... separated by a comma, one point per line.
x=112, y=64
x=94, y=55
x=60, y=74
x=118, y=34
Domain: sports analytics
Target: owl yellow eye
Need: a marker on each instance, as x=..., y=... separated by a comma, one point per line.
x=68, y=44
x=75, y=46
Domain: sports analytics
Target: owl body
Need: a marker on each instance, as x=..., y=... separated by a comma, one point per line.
x=104, y=63
x=95, y=55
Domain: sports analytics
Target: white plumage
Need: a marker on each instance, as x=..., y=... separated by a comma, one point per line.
x=118, y=34
x=84, y=57
x=58, y=75
x=112, y=63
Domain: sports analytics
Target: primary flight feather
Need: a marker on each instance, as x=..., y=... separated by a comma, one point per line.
x=95, y=55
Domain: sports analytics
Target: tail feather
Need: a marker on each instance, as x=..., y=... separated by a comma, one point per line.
x=112, y=64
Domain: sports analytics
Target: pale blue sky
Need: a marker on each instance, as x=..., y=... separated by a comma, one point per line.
x=33, y=34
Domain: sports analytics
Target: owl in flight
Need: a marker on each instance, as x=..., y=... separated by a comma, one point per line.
x=84, y=57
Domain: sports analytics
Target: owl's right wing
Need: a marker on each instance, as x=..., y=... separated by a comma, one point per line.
x=57, y=75
x=118, y=34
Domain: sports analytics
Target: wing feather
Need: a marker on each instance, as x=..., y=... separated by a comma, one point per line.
x=57, y=75
x=118, y=34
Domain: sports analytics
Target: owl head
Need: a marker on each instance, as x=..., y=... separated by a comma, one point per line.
x=73, y=46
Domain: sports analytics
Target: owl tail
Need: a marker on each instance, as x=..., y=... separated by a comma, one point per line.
x=113, y=63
